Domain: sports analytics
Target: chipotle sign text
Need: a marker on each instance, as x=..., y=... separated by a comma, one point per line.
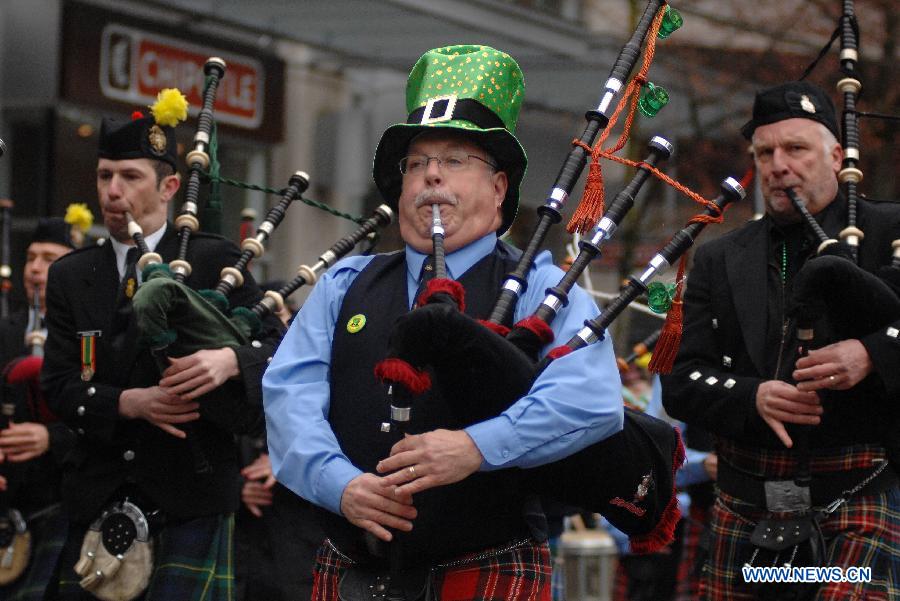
x=135, y=65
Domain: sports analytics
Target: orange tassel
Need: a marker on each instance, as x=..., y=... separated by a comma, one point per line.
x=590, y=209
x=670, y=338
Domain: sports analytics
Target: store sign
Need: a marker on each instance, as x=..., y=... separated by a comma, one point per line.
x=136, y=65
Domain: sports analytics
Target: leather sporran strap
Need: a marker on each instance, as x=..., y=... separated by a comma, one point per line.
x=117, y=554
x=15, y=546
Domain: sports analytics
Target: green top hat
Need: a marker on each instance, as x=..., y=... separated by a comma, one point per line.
x=472, y=89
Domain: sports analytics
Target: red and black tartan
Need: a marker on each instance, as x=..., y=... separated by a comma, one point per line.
x=516, y=573
x=865, y=531
x=775, y=464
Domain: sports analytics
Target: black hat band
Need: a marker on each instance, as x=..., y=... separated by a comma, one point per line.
x=446, y=108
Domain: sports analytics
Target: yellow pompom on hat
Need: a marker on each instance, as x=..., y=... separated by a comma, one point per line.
x=170, y=108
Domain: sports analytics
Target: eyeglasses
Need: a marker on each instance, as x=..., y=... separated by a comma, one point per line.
x=416, y=164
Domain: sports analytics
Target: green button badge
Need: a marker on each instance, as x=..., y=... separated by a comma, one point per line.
x=356, y=323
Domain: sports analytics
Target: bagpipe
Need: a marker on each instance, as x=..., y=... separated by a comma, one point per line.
x=176, y=320
x=627, y=477
x=23, y=371
x=832, y=299
x=832, y=284
x=832, y=296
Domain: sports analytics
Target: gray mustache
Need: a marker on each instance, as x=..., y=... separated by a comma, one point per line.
x=430, y=197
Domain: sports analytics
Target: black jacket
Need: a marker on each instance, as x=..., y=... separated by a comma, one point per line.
x=723, y=354
x=112, y=451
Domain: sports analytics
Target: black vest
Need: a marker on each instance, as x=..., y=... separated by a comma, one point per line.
x=484, y=509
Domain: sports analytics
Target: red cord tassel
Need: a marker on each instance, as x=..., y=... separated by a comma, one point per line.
x=496, y=328
x=538, y=327
x=400, y=372
x=590, y=209
x=443, y=286
x=670, y=338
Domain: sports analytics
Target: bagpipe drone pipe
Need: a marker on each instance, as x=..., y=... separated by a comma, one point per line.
x=849, y=86
x=600, y=119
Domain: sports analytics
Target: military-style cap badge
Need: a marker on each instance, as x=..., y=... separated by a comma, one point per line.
x=157, y=139
x=807, y=105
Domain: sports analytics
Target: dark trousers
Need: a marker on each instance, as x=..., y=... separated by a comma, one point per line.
x=275, y=554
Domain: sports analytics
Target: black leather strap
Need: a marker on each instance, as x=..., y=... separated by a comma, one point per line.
x=824, y=488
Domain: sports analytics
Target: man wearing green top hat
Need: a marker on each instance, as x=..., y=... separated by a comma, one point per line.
x=447, y=495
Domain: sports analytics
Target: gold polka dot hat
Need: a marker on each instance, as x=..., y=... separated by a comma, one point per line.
x=472, y=89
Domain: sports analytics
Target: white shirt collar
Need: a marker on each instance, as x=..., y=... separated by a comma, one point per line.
x=122, y=249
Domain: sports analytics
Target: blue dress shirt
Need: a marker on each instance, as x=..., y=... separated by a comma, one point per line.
x=575, y=402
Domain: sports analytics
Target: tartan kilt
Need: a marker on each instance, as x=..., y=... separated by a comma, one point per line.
x=688, y=587
x=48, y=535
x=194, y=561
x=863, y=532
x=515, y=572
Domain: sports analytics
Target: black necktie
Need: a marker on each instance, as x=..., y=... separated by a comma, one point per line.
x=426, y=274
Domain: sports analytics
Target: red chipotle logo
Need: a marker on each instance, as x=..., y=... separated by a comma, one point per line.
x=135, y=65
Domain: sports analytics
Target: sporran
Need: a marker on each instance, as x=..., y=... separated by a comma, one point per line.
x=117, y=554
